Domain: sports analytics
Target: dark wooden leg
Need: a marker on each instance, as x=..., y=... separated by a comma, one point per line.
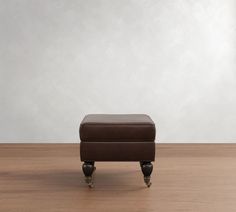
x=147, y=168
x=88, y=169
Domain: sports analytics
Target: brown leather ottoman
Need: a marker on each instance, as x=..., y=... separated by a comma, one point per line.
x=117, y=137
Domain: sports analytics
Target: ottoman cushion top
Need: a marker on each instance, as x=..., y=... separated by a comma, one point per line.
x=117, y=127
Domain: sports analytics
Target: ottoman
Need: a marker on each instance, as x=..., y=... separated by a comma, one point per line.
x=117, y=137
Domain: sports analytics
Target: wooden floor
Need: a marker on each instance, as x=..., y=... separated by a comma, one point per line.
x=186, y=177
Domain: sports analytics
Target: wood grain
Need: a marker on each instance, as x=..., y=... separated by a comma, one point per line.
x=186, y=177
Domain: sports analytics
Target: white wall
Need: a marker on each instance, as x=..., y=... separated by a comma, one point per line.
x=172, y=59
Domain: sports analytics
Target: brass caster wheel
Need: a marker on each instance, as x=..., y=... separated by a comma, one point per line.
x=147, y=181
x=89, y=181
x=91, y=185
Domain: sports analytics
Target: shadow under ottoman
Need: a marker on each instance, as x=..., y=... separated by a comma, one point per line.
x=117, y=137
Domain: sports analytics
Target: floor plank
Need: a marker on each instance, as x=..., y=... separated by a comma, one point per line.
x=186, y=177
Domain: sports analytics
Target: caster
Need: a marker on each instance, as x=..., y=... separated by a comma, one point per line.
x=89, y=181
x=91, y=185
x=147, y=181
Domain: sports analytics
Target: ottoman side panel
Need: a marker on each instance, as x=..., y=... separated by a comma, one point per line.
x=117, y=151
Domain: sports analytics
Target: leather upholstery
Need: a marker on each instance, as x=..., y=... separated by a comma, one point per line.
x=117, y=137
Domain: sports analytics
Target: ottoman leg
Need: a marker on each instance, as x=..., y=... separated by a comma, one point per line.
x=147, y=168
x=88, y=169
